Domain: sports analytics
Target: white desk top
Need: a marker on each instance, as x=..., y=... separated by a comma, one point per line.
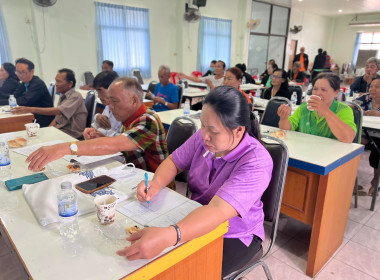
x=251, y=86
x=316, y=154
x=144, y=87
x=42, y=249
x=371, y=122
x=167, y=117
x=6, y=113
x=195, y=92
x=197, y=85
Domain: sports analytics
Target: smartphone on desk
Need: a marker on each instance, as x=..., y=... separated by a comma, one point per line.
x=16, y=184
x=95, y=184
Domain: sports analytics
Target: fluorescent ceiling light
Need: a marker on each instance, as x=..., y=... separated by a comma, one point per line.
x=364, y=23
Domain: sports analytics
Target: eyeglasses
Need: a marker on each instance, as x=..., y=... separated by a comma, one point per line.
x=276, y=77
x=21, y=72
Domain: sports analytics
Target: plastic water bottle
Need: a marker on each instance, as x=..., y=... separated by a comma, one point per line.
x=12, y=101
x=5, y=161
x=293, y=99
x=258, y=93
x=186, y=108
x=67, y=210
x=244, y=80
x=257, y=116
x=348, y=92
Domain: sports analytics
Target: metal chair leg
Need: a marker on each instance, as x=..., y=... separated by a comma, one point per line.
x=356, y=192
x=266, y=270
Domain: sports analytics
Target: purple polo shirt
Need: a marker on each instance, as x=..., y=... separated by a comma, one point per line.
x=239, y=178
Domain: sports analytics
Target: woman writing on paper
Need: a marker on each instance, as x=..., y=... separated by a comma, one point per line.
x=322, y=115
x=228, y=172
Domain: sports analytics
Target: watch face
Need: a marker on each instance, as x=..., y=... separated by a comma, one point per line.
x=73, y=147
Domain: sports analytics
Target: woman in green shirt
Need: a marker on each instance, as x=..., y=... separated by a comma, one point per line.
x=322, y=115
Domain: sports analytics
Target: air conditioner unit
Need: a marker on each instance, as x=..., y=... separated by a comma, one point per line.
x=364, y=23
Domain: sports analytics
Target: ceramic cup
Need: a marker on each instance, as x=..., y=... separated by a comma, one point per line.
x=32, y=129
x=106, y=208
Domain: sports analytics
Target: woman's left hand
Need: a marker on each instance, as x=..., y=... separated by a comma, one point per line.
x=374, y=113
x=148, y=243
x=316, y=103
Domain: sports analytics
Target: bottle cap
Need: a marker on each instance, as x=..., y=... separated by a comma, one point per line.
x=66, y=185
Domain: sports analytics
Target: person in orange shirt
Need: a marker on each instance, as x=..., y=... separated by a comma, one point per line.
x=233, y=78
x=303, y=58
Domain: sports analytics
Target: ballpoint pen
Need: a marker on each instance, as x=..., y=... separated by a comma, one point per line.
x=146, y=184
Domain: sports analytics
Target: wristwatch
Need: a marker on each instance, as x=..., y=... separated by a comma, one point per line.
x=74, y=148
x=166, y=103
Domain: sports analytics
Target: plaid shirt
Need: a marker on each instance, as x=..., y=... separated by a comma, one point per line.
x=148, y=133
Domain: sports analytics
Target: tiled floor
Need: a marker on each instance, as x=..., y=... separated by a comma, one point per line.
x=357, y=258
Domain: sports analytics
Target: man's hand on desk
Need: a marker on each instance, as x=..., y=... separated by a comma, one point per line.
x=159, y=100
x=20, y=110
x=103, y=121
x=374, y=113
x=91, y=133
x=148, y=243
x=44, y=155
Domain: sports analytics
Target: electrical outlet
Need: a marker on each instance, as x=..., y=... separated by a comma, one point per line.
x=27, y=20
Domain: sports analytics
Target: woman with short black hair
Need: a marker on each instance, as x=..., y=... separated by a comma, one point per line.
x=11, y=81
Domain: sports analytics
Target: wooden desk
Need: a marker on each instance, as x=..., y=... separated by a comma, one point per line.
x=11, y=123
x=44, y=255
x=318, y=190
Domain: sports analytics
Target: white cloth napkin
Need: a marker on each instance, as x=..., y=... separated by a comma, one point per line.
x=42, y=196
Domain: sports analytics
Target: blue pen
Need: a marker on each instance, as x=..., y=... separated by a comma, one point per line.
x=146, y=184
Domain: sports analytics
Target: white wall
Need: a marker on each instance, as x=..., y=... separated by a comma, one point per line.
x=342, y=44
x=315, y=33
x=68, y=38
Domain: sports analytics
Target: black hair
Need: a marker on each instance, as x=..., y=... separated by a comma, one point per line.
x=285, y=84
x=332, y=78
x=109, y=62
x=233, y=110
x=241, y=66
x=320, y=50
x=70, y=76
x=324, y=52
x=275, y=67
x=11, y=70
x=213, y=61
x=27, y=62
x=224, y=64
x=104, y=79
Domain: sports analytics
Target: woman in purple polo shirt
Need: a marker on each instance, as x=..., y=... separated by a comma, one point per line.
x=228, y=172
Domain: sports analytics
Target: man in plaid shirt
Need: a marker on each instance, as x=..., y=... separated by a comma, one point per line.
x=142, y=139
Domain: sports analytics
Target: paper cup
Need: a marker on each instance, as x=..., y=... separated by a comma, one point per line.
x=106, y=208
x=32, y=129
x=307, y=100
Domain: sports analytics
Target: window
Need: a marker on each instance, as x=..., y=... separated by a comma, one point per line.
x=267, y=37
x=214, y=42
x=123, y=37
x=5, y=52
x=370, y=41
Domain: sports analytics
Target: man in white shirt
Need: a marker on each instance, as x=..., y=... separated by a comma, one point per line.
x=104, y=124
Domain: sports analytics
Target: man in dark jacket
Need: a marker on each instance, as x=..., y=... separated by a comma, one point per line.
x=319, y=63
x=32, y=92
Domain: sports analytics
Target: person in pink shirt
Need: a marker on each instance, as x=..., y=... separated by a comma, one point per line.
x=229, y=170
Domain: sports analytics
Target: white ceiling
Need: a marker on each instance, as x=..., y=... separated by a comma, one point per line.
x=331, y=7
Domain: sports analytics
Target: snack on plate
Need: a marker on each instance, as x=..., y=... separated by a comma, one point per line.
x=13, y=144
x=280, y=134
x=17, y=142
x=73, y=167
x=132, y=230
x=21, y=141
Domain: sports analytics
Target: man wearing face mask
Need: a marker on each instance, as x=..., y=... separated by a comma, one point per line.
x=211, y=70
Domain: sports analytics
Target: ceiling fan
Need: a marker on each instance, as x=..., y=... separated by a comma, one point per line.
x=45, y=3
x=253, y=23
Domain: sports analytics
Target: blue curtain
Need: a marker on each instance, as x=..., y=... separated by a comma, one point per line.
x=123, y=37
x=5, y=51
x=356, y=49
x=214, y=42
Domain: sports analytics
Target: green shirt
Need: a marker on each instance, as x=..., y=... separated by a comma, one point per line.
x=269, y=82
x=306, y=121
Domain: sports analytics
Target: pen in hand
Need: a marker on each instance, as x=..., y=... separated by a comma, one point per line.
x=146, y=184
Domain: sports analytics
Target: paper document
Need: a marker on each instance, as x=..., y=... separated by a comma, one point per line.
x=26, y=151
x=88, y=159
x=166, y=208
